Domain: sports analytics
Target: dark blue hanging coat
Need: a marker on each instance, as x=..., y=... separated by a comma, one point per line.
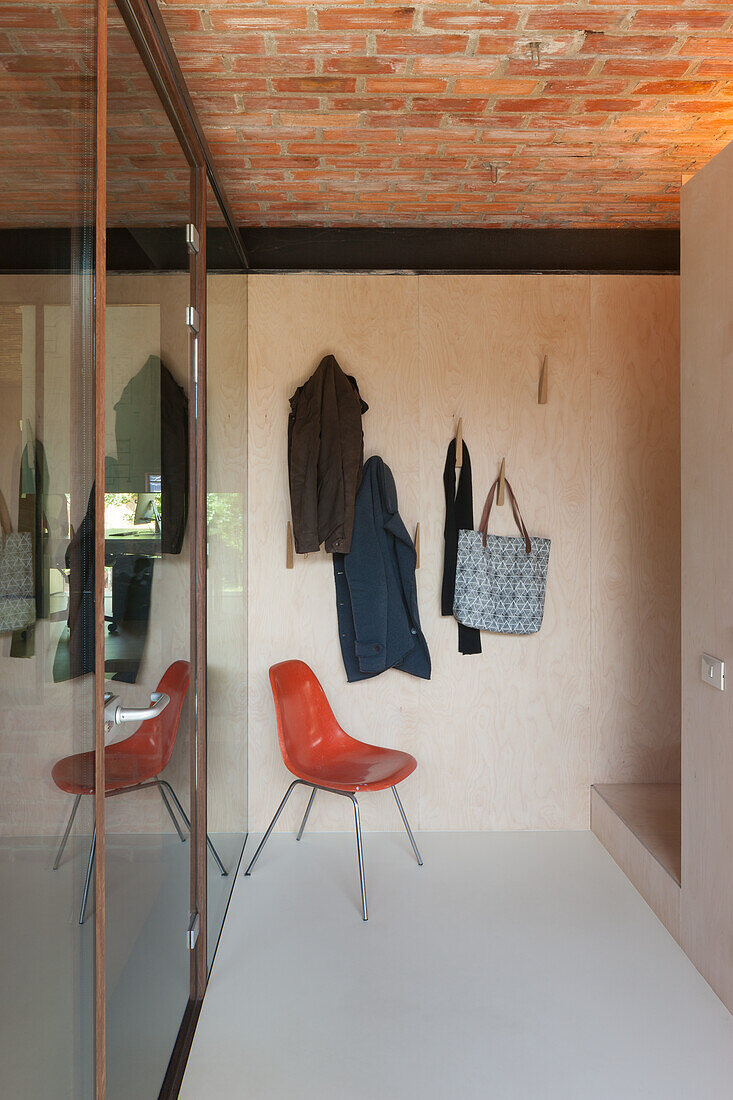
x=376, y=591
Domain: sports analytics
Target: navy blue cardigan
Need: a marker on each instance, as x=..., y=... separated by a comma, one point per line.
x=376, y=591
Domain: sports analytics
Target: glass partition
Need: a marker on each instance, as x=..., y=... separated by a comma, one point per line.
x=147, y=528
x=226, y=384
x=47, y=450
x=152, y=866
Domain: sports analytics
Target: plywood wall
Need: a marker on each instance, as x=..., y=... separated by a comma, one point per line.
x=707, y=590
x=510, y=738
x=635, y=525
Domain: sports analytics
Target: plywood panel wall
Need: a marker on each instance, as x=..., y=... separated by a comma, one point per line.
x=503, y=740
x=504, y=735
x=370, y=323
x=707, y=589
x=635, y=523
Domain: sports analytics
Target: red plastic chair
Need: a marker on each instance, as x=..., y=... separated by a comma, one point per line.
x=131, y=765
x=322, y=756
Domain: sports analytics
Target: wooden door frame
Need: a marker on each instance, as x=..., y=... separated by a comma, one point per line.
x=147, y=30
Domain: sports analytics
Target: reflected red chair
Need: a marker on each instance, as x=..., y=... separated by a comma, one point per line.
x=322, y=756
x=131, y=765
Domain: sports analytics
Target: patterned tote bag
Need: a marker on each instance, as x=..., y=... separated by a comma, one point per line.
x=17, y=601
x=501, y=580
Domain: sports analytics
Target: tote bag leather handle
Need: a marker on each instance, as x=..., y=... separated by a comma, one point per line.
x=6, y=527
x=484, y=525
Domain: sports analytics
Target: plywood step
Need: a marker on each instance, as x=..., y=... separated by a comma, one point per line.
x=639, y=825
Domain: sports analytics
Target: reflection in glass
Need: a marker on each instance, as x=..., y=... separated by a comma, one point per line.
x=47, y=449
x=226, y=370
x=147, y=595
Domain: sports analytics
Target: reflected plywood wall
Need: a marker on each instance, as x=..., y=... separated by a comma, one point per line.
x=41, y=721
x=227, y=589
x=510, y=739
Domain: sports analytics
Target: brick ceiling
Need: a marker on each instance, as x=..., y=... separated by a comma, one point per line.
x=347, y=113
x=350, y=113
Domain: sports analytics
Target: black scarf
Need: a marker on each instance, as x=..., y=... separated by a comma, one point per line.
x=458, y=517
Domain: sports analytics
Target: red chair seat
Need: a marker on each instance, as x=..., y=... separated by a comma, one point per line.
x=360, y=767
x=138, y=758
x=75, y=774
x=316, y=749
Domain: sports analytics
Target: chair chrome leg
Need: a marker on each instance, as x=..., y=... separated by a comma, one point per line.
x=65, y=837
x=87, y=881
x=182, y=812
x=271, y=826
x=307, y=812
x=407, y=826
x=169, y=808
x=360, y=853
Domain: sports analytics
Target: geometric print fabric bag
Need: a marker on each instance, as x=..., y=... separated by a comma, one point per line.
x=501, y=580
x=17, y=601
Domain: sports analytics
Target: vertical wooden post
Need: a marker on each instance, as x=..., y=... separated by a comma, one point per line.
x=502, y=480
x=100, y=305
x=198, y=581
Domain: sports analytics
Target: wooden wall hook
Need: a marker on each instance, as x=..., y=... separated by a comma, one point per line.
x=459, y=442
x=542, y=387
x=289, y=549
x=502, y=480
x=417, y=545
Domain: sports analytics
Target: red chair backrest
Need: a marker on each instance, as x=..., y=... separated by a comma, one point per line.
x=154, y=739
x=308, y=731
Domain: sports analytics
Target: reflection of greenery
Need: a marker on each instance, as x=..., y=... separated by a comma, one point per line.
x=225, y=524
x=224, y=518
x=120, y=509
x=123, y=504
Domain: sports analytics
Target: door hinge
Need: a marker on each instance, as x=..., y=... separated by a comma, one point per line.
x=192, y=238
x=192, y=320
x=194, y=925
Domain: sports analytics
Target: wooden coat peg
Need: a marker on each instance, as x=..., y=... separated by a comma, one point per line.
x=289, y=549
x=542, y=387
x=502, y=480
x=417, y=545
x=459, y=443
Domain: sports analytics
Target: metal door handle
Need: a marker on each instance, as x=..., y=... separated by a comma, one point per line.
x=117, y=714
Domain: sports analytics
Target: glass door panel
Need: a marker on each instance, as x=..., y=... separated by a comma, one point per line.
x=147, y=612
x=47, y=448
x=226, y=385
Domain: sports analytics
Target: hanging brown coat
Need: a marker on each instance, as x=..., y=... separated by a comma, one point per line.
x=325, y=458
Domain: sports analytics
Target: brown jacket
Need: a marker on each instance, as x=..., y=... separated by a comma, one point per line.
x=325, y=458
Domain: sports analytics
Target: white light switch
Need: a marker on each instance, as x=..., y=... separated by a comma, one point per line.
x=712, y=671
